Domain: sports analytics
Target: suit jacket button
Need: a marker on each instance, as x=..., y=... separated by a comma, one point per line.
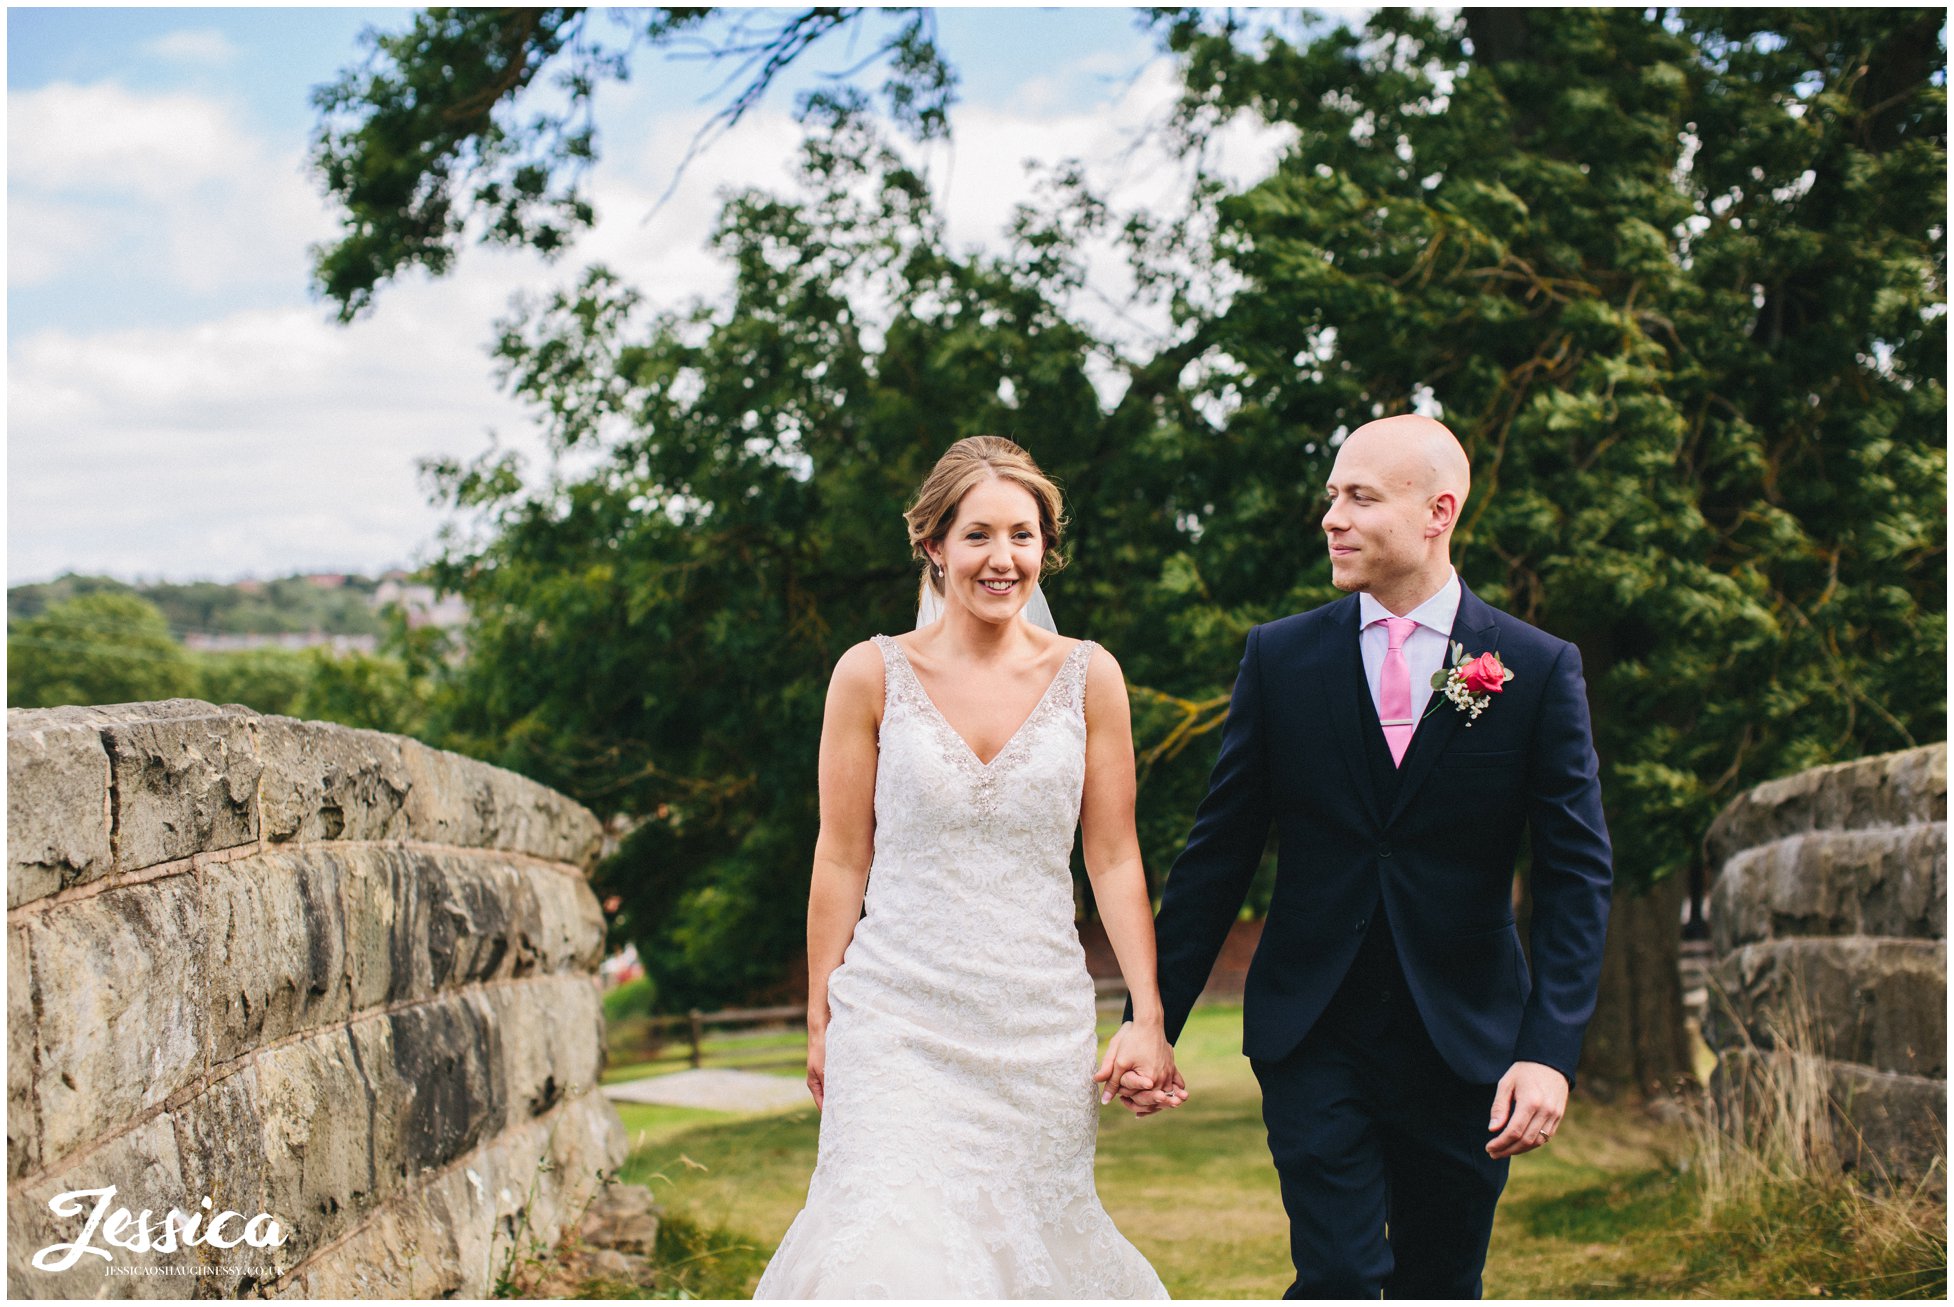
x=1362, y=924
x=1383, y=850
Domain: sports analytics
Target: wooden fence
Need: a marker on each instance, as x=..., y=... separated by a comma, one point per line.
x=694, y=1024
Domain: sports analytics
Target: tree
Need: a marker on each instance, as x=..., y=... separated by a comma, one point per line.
x=1678, y=282
x=97, y=648
x=265, y=680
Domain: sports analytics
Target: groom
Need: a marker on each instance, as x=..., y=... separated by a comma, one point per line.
x=1406, y=1051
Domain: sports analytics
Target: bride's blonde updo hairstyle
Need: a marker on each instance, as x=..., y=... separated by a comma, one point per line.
x=965, y=464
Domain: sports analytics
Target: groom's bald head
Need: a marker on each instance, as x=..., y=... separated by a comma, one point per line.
x=1394, y=497
x=1416, y=452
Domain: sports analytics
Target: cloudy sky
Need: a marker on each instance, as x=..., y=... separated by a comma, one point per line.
x=179, y=406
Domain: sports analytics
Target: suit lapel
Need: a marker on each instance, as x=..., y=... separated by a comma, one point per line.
x=1344, y=683
x=1475, y=627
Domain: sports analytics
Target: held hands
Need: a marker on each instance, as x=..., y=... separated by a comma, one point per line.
x=1142, y=1101
x=1530, y=1101
x=1139, y=1067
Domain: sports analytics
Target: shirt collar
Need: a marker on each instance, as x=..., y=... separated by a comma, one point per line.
x=1437, y=612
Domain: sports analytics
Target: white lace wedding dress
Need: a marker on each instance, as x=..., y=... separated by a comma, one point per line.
x=956, y=1152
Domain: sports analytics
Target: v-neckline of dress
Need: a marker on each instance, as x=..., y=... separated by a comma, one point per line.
x=1030, y=717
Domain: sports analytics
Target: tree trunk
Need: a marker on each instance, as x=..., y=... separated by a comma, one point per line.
x=1637, y=1042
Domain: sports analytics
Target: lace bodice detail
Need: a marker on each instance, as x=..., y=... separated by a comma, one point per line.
x=1010, y=822
x=957, y=1140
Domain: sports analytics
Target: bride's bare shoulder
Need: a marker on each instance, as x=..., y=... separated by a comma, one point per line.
x=857, y=677
x=1105, y=681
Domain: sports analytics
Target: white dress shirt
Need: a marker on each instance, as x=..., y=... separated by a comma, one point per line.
x=1424, y=648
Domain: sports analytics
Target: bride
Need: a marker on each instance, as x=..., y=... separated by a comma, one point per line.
x=951, y=1025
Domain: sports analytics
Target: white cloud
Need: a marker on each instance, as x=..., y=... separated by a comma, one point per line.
x=47, y=237
x=103, y=139
x=172, y=187
x=259, y=442
x=200, y=45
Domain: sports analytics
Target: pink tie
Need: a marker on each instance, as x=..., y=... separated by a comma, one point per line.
x=1394, y=690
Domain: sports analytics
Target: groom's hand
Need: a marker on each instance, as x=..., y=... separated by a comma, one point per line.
x=1529, y=1103
x=1142, y=1100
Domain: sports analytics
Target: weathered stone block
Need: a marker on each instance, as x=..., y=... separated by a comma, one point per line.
x=186, y=779
x=622, y=1217
x=549, y=1036
x=470, y=918
x=329, y=1113
x=422, y=921
x=457, y=800
x=1890, y=881
x=23, y=1104
x=386, y=918
x=1888, y=1128
x=561, y=926
x=146, y=1172
x=279, y=961
x=326, y=782
x=458, y=1235
x=1894, y=1127
x=407, y=1251
x=221, y=1139
x=1878, y=1002
x=57, y=802
x=443, y=1062
x=1893, y=789
x=122, y=1022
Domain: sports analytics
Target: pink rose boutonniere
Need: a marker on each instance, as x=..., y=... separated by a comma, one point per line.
x=1470, y=685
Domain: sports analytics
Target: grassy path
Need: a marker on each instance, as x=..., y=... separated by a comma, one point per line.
x=1593, y=1216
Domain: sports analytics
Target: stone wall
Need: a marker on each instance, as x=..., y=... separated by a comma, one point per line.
x=330, y=975
x=1829, y=918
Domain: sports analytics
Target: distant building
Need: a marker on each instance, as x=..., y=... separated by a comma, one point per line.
x=229, y=642
x=326, y=580
x=423, y=606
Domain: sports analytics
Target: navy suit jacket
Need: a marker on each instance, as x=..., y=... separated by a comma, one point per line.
x=1438, y=860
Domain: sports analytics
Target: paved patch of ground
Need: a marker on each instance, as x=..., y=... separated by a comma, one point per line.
x=719, y=1089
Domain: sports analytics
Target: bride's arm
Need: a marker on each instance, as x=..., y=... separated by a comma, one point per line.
x=846, y=844
x=1119, y=881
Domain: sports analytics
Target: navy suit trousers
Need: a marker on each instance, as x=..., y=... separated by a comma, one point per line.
x=1380, y=1147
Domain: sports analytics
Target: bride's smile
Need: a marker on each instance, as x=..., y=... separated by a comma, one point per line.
x=995, y=547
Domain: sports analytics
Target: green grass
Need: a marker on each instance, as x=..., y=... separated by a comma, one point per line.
x=1607, y=1211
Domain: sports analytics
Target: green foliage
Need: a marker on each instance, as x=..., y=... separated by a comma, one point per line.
x=98, y=648
x=631, y=999
x=266, y=680
x=110, y=646
x=377, y=692
x=286, y=604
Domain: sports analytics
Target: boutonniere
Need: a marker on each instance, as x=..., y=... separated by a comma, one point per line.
x=1470, y=685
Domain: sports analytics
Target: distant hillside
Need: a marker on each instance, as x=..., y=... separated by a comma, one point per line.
x=324, y=603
